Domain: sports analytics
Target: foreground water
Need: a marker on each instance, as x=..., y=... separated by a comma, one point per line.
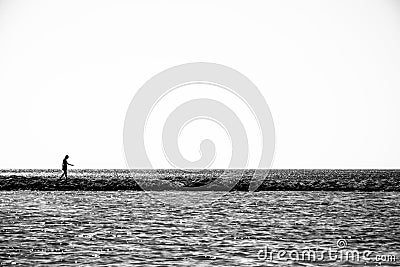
x=125, y=228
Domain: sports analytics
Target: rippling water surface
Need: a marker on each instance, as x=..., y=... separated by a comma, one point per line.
x=125, y=228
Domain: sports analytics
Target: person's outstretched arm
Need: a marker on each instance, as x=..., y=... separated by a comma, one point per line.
x=70, y=164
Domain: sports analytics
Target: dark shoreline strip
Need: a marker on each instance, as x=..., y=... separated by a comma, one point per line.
x=273, y=180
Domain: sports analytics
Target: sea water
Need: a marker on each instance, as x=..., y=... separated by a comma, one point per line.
x=235, y=229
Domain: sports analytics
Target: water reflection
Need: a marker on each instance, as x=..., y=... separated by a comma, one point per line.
x=133, y=228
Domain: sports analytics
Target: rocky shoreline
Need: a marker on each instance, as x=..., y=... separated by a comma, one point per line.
x=238, y=180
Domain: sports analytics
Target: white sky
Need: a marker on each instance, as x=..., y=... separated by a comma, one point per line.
x=329, y=71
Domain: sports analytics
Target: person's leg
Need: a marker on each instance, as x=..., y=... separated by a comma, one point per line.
x=65, y=173
x=62, y=175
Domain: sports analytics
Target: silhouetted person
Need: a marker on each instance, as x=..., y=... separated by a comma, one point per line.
x=65, y=166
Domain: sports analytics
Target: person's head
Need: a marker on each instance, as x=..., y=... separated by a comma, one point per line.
x=66, y=156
